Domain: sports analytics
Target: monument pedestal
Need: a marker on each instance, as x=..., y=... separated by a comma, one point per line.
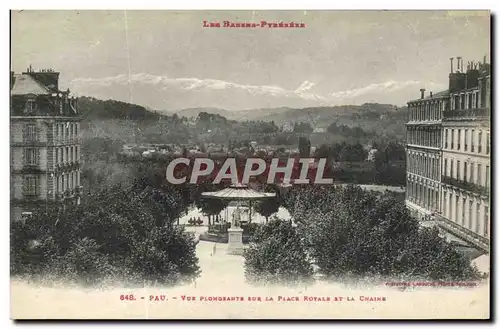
x=235, y=241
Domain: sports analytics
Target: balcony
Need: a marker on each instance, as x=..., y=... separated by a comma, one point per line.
x=466, y=114
x=474, y=188
x=29, y=169
x=67, y=166
x=79, y=190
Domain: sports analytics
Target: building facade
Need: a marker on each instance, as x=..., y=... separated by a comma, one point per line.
x=44, y=143
x=448, y=155
x=423, y=153
x=466, y=172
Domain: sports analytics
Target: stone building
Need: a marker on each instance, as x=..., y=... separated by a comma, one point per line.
x=465, y=194
x=448, y=155
x=423, y=153
x=44, y=143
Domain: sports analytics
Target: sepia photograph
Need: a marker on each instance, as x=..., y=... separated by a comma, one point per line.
x=250, y=164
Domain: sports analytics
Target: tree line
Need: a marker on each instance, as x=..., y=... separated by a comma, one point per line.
x=347, y=234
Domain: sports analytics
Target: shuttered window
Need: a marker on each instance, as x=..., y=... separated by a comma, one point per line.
x=31, y=186
x=31, y=156
x=30, y=133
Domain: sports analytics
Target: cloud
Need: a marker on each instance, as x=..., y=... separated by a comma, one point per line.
x=194, y=84
x=178, y=93
x=385, y=88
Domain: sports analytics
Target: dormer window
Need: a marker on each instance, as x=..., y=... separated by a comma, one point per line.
x=30, y=106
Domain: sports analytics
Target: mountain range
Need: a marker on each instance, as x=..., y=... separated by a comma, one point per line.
x=381, y=118
x=168, y=95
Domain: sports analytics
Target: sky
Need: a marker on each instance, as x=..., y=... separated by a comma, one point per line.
x=168, y=60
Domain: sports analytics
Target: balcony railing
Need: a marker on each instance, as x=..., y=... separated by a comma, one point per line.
x=460, y=231
x=466, y=114
x=466, y=185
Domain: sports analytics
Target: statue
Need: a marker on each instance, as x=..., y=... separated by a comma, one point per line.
x=236, y=218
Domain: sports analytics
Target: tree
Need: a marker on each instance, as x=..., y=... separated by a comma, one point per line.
x=126, y=235
x=302, y=127
x=324, y=151
x=267, y=207
x=352, y=153
x=304, y=147
x=277, y=255
x=387, y=164
x=349, y=231
x=209, y=206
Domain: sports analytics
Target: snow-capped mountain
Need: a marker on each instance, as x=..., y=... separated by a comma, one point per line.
x=164, y=93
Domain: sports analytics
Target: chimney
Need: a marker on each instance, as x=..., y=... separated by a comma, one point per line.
x=430, y=94
x=451, y=64
x=484, y=59
x=422, y=93
x=458, y=60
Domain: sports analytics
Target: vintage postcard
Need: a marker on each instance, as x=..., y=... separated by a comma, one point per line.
x=250, y=164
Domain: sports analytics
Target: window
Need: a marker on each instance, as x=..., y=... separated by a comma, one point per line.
x=30, y=106
x=479, y=178
x=488, y=143
x=451, y=168
x=458, y=170
x=62, y=183
x=466, y=136
x=67, y=154
x=465, y=171
x=71, y=154
x=452, y=138
x=446, y=138
x=472, y=142
x=31, y=156
x=487, y=183
x=445, y=169
x=469, y=224
x=480, y=142
x=462, y=222
x=30, y=133
x=471, y=177
x=30, y=186
x=57, y=155
x=449, y=206
x=67, y=130
x=459, y=133
x=71, y=131
x=445, y=202
x=486, y=221
x=478, y=217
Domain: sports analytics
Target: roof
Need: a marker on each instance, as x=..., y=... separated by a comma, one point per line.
x=238, y=192
x=441, y=94
x=25, y=84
